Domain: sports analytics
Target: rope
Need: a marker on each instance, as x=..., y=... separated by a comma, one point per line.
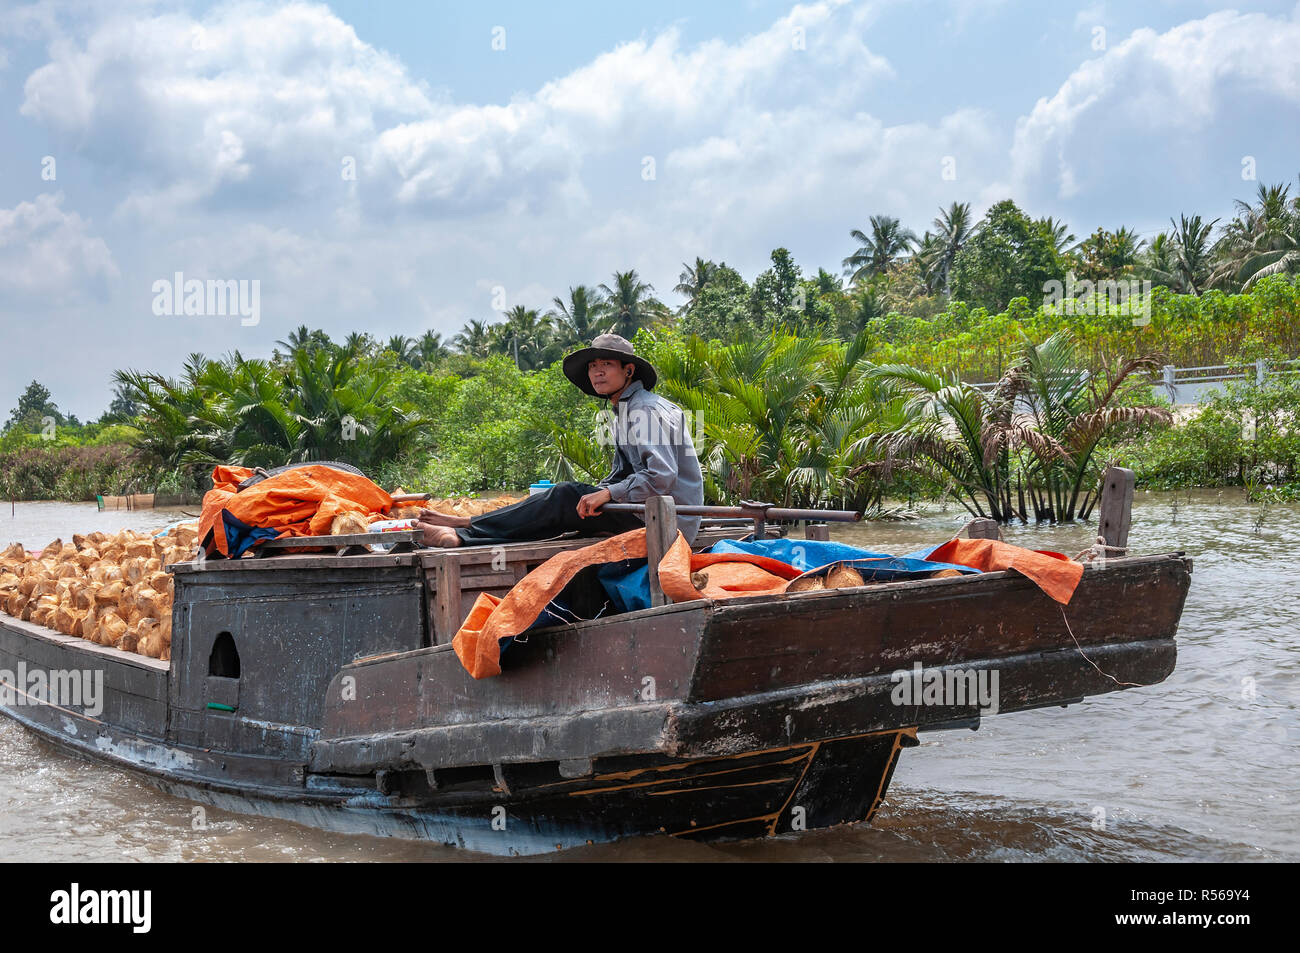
x=1099, y=549
x=50, y=704
x=1090, y=661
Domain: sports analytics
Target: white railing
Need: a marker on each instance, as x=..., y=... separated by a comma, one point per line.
x=1188, y=385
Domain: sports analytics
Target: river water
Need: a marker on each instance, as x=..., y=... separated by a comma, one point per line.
x=1201, y=767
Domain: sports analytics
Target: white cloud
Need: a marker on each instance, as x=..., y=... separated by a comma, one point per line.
x=186, y=107
x=224, y=161
x=1150, y=94
x=51, y=254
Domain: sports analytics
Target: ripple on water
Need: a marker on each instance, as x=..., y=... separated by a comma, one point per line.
x=1198, y=768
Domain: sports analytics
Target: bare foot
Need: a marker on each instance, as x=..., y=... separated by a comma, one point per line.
x=434, y=518
x=441, y=536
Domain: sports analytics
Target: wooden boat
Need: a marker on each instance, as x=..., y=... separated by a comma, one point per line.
x=323, y=689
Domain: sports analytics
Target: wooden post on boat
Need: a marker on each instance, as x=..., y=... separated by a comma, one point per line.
x=1116, y=513
x=821, y=531
x=660, y=533
x=983, y=529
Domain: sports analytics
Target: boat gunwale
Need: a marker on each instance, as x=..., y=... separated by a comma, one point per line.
x=76, y=642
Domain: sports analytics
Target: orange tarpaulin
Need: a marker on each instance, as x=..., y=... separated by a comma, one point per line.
x=477, y=643
x=1054, y=573
x=300, y=502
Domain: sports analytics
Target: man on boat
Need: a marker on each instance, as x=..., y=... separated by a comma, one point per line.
x=653, y=456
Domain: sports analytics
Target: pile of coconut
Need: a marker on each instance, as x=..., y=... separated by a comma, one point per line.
x=348, y=523
x=469, y=506
x=110, y=589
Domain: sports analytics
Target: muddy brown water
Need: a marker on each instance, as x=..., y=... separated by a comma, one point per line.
x=1201, y=767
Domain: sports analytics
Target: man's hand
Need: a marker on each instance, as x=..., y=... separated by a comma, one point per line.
x=590, y=504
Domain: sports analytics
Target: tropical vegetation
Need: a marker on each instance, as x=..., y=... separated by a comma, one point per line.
x=1001, y=361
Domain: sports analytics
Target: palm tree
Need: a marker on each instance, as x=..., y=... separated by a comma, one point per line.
x=359, y=344
x=1124, y=248
x=1192, y=257
x=1263, y=239
x=404, y=350
x=576, y=321
x=692, y=281
x=1157, y=264
x=474, y=339
x=954, y=433
x=527, y=337
x=938, y=252
x=1037, y=430
x=888, y=241
x=1058, y=233
x=430, y=349
x=303, y=339
x=630, y=304
x=1070, y=411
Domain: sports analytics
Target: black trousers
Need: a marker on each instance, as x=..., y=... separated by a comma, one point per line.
x=545, y=516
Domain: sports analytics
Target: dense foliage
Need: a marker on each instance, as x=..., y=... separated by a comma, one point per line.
x=1247, y=436
x=811, y=388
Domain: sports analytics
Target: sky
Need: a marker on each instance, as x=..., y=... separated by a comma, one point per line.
x=369, y=165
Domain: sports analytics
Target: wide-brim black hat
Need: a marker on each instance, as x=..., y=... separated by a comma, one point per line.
x=616, y=348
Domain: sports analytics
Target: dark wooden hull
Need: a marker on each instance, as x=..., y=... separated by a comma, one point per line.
x=703, y=720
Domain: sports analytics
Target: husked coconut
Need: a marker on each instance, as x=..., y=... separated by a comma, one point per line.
x=805, y=583
x=133, y=569
x=348, y=523
x=946, y=573
x=139, y=547
x=110, y=631
x=46, y=606
x=150, y=645
x=64, y=617
x=88, y=557
x=843, y=577
x=85, y=597
x=15, y=551
x=148, y=601
x=110, y=594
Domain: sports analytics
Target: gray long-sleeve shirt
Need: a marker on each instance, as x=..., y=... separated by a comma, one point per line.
x=653, y=454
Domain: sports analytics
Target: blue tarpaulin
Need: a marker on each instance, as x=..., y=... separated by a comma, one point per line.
x=242, y=537
x=628, y=582
x=806, y=554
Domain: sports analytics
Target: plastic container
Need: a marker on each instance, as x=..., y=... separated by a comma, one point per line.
x=391, y=526
x=541, y=486
x=388, y=526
